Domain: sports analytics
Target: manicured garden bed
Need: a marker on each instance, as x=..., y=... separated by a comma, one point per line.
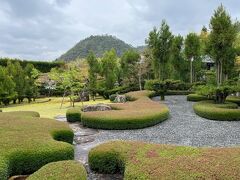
x=29, y=142
x=196, y=97
x=222, y=112
x=234, y=99
x=138, y=160
x=141, y=113
x=66, y=170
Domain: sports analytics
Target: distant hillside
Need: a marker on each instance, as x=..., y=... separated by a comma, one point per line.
x=98, y=44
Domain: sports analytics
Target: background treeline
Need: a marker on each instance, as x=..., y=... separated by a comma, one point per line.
x=17, y=83
x=41, y=66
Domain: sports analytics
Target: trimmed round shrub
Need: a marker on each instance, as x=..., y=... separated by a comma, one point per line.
x=139, y=160
x=196, y=97
x=141, y=113
x=0, y=110
x=73, y=115
x=222, y=112
x=67, y=170
x=234, y=99
x=28, y=143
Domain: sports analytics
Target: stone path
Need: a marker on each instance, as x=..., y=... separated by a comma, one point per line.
x=183, y=127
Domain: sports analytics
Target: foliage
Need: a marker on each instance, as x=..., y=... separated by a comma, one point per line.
x=92, y=73
x=177, y=58
x=73, y=115
x=67, y=170
x=234, y=99
x=139, y=160
x=127, y=115
x=41, y=66
x=129, y=66
x=98, y=44
x=192, y=53
x=196, y=97
x=7, y=87
x=109, y=68
x=221, y=43
x=220, y=112
x=34, y=139
x=160, y=42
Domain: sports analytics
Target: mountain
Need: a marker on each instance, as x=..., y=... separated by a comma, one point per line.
x=98, y=44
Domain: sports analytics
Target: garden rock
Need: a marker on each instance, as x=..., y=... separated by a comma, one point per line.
x=97, y=107
x=120, y=99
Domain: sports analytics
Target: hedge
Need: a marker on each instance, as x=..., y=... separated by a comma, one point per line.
x=221, y=112
x=73, y=115
x=234, y=99
x=196, y=97
x=139, y=160
x=67, y=170
x=42, y=66
x=141, y=113
x=29, y=142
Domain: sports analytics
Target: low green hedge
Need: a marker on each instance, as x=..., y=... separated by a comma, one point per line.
x=28, y=143
x=141, y=113
x=139, y=160
x=234, y=99
x=221, y=112
x=172, y=92
x=73, y=115
x=196, y=97
x=24, y=113
x=62, y=170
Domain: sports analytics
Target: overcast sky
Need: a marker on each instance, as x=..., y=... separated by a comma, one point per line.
x=45, y=29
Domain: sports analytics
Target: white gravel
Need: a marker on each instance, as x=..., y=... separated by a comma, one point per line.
x=183, y=127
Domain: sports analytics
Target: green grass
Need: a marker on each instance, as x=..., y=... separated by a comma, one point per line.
x=66, y=170
x=222, y=112
x=29, y=142
x=196, y=97
x=144, y=161
x=141, y=113
x=48, y=109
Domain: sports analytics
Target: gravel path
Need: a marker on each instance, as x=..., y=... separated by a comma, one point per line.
x=183, y=127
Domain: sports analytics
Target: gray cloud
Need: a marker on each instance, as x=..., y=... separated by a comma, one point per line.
x=43, y=30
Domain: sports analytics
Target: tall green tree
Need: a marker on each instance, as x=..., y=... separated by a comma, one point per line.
x=7, y=87
x=192, y=53
x=32, y=74
x=160, y=42
x=177, y=59
x=221, y=43
x=109, y=68
x=129, y=66
x=17, y=73
x=92, y=73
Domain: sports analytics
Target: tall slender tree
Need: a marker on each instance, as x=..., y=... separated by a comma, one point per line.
x=159, y=42
x=177, y=57
x=221, y=43
x=109, y=68
x=192, y=52
x=92, y=73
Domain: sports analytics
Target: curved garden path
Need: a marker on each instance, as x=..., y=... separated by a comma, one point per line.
x=183, y=127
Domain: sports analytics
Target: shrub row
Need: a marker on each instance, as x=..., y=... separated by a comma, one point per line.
x=141, y=113
x=73, y=115
x=221, y=112
x=29, y=142
x=234, y=99
x=138, y=160
x=67, y=170
x=196, y=97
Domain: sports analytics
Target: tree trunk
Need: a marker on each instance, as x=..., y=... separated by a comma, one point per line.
x=191, y=71
x=63, y=99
